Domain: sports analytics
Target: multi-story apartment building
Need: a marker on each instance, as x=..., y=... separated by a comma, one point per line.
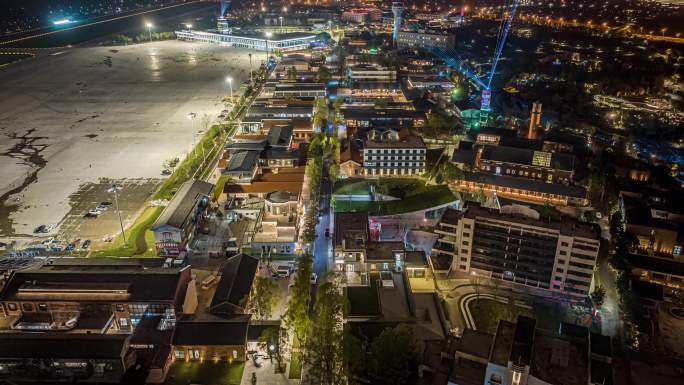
x=389, y=153
x=514, y=244
x=425, y=39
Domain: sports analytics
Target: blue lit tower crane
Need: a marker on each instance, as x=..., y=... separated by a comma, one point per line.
x=397, y=10
x=453, y=60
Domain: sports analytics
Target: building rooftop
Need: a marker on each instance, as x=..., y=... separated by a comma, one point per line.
x=242, y=161
x=149, y=285
x=211, y=330
x=567, y=226
x=180, y=207
x=235, y=284
x=560, y=360
x=503, y=341
x=656, y=264
x=527, y=184
x=279, y=135
x=383, y=251
x=409, y=141
x=476, y=343
x=351, y=230
x=528, y=157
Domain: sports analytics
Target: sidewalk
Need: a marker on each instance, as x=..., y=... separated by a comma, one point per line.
x=265, y=374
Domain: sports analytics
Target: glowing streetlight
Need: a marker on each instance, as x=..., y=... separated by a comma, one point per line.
x=281, y=23
x=230, y=83
x=662, y=31
x=285, y=8
x=268, y=36
x=188, y=25
x=149, y=29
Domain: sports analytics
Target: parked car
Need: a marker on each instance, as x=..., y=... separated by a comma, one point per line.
x=101, y=208
x=40, y=229
x=89, y=216
x=105, y=203
x=283, y=271
x=86, y=244
x=327, y=233
x=70, y=247
x=166, y=172
x=95, y=212
x=314, y=278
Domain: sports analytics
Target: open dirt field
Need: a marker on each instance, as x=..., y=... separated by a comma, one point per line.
x=71, y=117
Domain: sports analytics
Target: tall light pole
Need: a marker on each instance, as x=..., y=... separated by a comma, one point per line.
x=281, y=23
x=115, y=189
x=230, y=83
x=149, y=29
x=251, y=80
x=268, y=36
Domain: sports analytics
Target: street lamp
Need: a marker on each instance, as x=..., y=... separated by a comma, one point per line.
x=115, y=189
x=662, y=31
x=188, y=25
x=149, y=29
x=251, y=80
x=268, y=36
x=281, y=23
x=230, y=83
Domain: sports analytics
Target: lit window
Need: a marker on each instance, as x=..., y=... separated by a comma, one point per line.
x=677, y=250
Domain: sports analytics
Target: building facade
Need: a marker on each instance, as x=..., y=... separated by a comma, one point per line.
x=514, y=244
x=386, y=153
x=406, y=39
x=285, y=42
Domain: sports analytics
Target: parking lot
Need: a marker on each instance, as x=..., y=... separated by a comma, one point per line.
x=71, y=119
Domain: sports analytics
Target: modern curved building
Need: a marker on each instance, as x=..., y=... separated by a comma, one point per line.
x=397, y=10
x=283, y=42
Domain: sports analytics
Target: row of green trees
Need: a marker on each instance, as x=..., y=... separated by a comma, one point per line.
x=333, y=354
x=122, y=39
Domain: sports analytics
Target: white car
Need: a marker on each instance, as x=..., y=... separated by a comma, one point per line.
x=94, y=212
x=314, y=278
x=282, y=271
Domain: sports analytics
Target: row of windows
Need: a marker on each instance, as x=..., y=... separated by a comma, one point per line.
x=405, y=158
x=396, y=151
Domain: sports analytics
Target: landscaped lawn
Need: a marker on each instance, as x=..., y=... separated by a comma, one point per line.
x=351, y=187
x=138, y=238
x=487, y=313
x=208, y=373
x=413, y=195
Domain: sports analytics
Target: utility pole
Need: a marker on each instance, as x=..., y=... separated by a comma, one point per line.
x=115, y=190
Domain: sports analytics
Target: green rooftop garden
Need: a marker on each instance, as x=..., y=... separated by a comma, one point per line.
x=412, y=194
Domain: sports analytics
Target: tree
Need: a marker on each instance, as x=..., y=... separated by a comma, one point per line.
x=390, y=356
x=323, y=74
x=598, y=296
x=324, y=344
x=292, y=73
x=265, y=297
x=354, y=357
x=296, y=316
x=271, y=340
